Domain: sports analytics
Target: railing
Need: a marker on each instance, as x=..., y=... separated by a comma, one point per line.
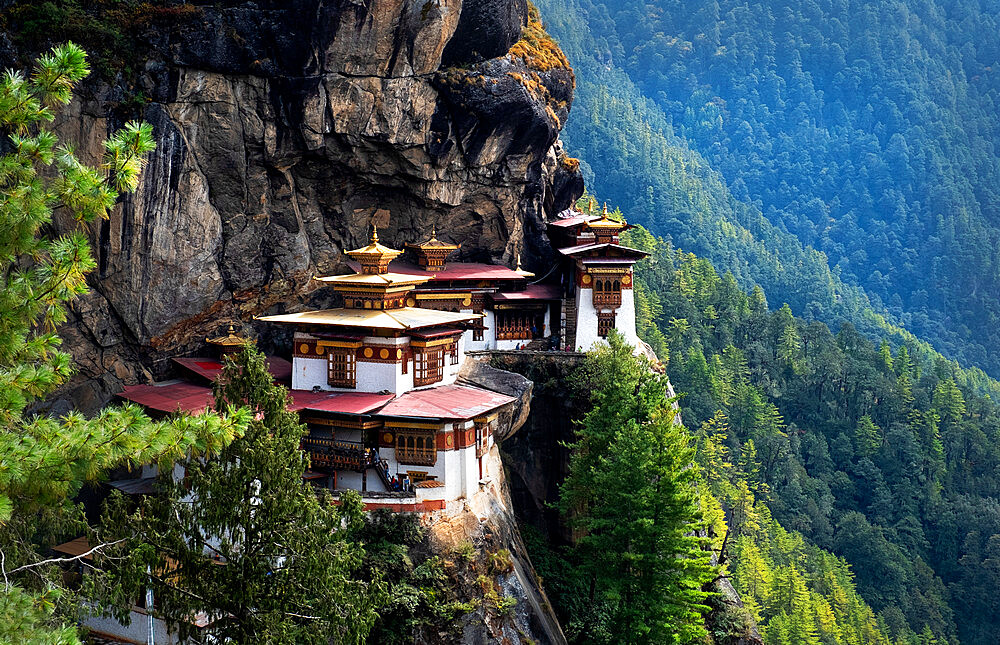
x=333, y=453
x=607, y=298
x=416, y=456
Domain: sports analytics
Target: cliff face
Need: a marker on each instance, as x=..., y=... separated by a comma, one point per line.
x=283, y=129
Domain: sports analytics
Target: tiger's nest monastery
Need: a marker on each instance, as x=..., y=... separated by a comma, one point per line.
x=377, y=380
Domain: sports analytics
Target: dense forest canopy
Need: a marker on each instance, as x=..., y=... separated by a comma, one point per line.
x=875, y=455
x=841, y=154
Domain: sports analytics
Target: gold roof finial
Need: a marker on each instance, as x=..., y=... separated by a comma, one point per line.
x=605, y=213
x=373, y=258
x=434, y=232
x=229, y=340
x=593, y=204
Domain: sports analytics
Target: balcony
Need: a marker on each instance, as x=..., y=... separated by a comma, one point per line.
x=340, y=455
x=607, y=299
x=416, y=456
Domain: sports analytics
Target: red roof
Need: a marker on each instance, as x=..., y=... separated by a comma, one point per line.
x=586, y=248
x=445, y=402
x=532, y=292
x=573, y=221
x=170, y=397
x=343, y=402
x=209, y=368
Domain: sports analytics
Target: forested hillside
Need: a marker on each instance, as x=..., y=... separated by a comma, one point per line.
x=753, y=133
x=879, y=456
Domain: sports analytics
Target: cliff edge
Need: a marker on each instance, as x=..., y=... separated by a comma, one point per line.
x=283, y=129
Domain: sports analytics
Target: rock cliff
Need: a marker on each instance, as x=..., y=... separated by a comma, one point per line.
x=283, y=129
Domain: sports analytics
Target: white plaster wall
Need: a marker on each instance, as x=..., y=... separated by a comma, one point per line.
x=625, y=320
x=376, y=377
x=547, y=324
x=348, y=479
x=489, y=335
x=510, y=344
x=586, y=322
x=308, y=373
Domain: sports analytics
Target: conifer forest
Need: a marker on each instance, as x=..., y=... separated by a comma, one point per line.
x=500, y=321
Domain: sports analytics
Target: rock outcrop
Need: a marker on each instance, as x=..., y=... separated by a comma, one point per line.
x=283, y=129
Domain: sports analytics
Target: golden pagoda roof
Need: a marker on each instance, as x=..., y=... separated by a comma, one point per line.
x=376, y=279
x=392, y=319
x=434, y=244
x=606, y=222
x=374, y=257
x=229, y=340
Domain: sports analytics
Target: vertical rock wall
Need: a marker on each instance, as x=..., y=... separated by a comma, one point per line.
x=283, y=129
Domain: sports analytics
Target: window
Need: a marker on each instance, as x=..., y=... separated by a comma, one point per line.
x=607, y=292
x=428, y=365
x=482, y=437
x=416, y=448
x=453, y=352
x=341, y=368
x=477, y=333
x=605, y=323
x=519, y=325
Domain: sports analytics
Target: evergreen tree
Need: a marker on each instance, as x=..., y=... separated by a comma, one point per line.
x=44, y=460
x=631, y=497
x=243, y=539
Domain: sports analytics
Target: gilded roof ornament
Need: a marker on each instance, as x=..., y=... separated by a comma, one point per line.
x=374, y=258
x=229, y=340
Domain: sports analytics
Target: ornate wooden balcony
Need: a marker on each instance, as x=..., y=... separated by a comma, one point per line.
x=607, y=298
x=416, y=456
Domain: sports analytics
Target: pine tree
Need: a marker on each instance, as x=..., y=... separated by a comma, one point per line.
x=630, y=496
x=44, y=460
x=867, y=437
x=243, y=539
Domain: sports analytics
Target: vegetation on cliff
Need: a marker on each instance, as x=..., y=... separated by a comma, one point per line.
x=799, y=148
x=637, y=570
x=885, y=456
x=44, y=461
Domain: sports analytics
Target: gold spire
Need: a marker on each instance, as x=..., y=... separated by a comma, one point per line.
x=374, y=258
x=229, y=340
x=432, y=253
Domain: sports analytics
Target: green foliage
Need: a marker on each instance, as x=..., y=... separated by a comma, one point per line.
x=801, y=149
x=242, y=538
x=44, y=461
x=882, y=456
x=112, y=30
x=421, y=597
x=631, y=497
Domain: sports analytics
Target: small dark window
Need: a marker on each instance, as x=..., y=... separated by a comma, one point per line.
x=341, y=368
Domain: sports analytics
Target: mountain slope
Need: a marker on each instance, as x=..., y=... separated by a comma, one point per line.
x=865, y=130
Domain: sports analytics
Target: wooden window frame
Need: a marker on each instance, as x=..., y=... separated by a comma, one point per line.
x=607, y=291
x=416, y=448
x=453, y=352
x=605, y=323
x=347, y=375
x=428, y=365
